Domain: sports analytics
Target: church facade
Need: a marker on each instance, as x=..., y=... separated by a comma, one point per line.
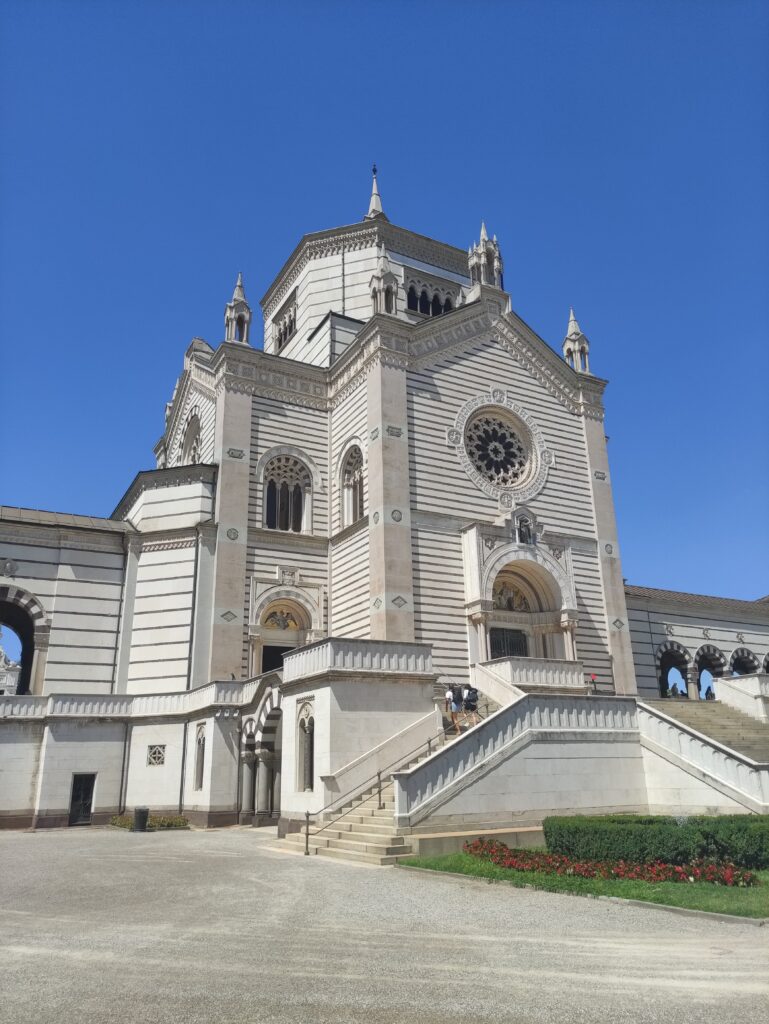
x=404, y=486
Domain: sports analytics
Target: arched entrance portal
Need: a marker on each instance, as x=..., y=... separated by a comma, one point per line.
x=21, y=612
x=261, y=752
x=282, y=624
x=673, y=662
x=526, y=618
x=709, y=664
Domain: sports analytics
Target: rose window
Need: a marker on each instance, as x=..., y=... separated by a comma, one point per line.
x=496, y=451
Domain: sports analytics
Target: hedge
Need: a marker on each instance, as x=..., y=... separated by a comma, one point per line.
x=741, y=839
x=156, y=822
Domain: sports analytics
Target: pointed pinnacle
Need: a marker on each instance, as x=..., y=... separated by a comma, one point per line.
x=239, y=295
x=573, y=329
x=375, y=204
x=484, y=236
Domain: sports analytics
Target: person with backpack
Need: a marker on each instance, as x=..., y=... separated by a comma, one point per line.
x=456, y=707
x=471, y=704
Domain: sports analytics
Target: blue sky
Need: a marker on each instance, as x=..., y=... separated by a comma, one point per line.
x=620, y=151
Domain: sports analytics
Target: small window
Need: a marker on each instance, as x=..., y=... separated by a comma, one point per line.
x=352, y=487
x=437, y=306
x=388, y=300
x=156, y=754
x=424, y=304
x=200, y=756
x=447, y=307
x=412, y=301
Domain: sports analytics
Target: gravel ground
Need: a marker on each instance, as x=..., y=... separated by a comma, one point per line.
x=101, y=926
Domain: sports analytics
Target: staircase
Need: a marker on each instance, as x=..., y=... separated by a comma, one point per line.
x=725, y=725
x=360, y=830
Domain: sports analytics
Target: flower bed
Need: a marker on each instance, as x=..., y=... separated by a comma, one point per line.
x=155, y=823
x=555, y=864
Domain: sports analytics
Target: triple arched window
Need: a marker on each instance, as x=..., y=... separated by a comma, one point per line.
x=422, y=303
x=352, y=487
x=287, y=494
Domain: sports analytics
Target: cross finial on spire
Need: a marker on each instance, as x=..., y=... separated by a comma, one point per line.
x=375, y=204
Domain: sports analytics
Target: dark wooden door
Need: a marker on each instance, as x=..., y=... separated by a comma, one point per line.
x=509, y=643
x=82, y=799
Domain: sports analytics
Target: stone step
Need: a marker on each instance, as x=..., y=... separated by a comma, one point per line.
x=350, y=835
x=362, y=858
x=390, y=847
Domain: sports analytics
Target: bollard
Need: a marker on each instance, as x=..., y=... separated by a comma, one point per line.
x=307, y=833
x=141, y=817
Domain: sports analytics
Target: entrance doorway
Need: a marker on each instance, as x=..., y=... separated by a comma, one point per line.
x=82, y=799
x=272, y=657
x=508, y=643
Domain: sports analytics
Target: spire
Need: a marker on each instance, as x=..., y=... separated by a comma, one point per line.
x=573, y=330
x=484, y=236
x=237, y=315
x=375, y=204
x=239, y=295
x=576, y=347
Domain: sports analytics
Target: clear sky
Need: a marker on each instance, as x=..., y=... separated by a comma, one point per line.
x=619, y=150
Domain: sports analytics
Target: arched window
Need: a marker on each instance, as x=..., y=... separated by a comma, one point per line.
x=437, y=306
x=240, y=328
x=447, y=307
x=190, y=453
x=200, y=755
x=412, y=301
x=287, y=490
x=424, y=303
x=374, y=302
x=388, y=300
x=352, y=487
x=306, y=764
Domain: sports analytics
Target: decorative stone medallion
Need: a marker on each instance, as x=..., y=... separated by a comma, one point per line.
x=501, y=448
x=232, y=533
x=397, y=515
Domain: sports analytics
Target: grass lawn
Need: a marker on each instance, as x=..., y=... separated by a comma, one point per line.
x=753, y=902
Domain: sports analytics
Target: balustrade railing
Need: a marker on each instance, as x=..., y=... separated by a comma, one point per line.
x=357, y=655
x=417, y=787
x=747, y=777
x=554, y=672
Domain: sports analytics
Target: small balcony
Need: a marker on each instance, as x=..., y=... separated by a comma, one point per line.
x=539, y=673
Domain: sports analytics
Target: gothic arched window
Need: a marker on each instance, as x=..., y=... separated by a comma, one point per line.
x=190, y=452
x=200, y=755
x=388, y=300
x=447, y=307
x=287, y=491
x=352, y=487
x=437, y=307
x=424, y=303
x=412, y=301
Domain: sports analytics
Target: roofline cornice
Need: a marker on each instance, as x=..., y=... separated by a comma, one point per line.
x=362, y=235
x=150, y=479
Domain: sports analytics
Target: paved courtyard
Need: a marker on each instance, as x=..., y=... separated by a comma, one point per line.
x=101, y=926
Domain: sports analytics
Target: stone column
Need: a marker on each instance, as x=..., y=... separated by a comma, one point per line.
x=247, y=787
x=233, y=438
x=390, y=566
x=263, y=785
x=617, y=623
x=693, y=683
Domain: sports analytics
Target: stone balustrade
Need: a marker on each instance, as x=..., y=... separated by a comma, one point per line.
x=748, y=694
x=538, y=672
x=745, y=780
x=227, y=694
x=416, y=788
x=358, y=774
x=337, y=655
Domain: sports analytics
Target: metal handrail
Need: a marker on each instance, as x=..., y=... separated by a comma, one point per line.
x=363, y=787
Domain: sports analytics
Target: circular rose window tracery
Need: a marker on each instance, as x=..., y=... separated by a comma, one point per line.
x=496, y=450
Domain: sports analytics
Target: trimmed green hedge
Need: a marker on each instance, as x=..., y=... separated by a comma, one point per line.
x=156, y=821
x=741, y=839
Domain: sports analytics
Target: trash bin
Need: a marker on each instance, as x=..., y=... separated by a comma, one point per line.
x=141, y=816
